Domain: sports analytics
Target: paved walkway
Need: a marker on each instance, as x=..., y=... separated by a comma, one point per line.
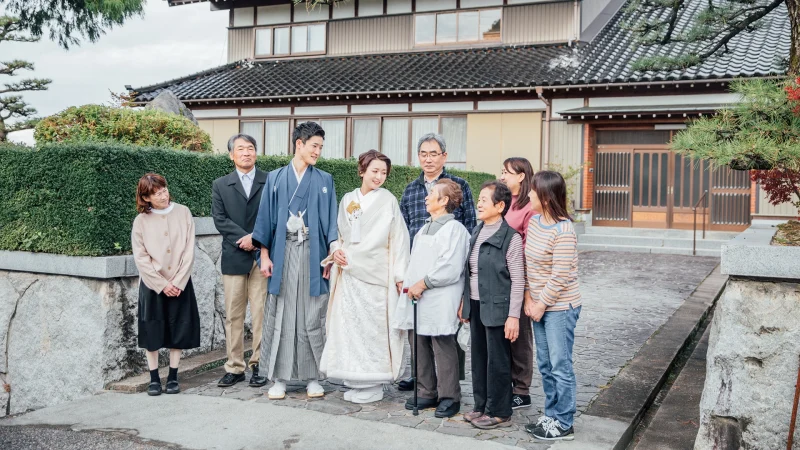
x=627, y=297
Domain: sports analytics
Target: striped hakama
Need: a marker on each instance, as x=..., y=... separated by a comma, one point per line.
x=294, y=321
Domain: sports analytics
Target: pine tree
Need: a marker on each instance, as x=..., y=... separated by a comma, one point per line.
x=12, y=106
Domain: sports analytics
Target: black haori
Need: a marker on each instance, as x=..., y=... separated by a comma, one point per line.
x=168, y=322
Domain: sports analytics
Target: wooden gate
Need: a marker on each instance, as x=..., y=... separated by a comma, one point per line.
x=649, y=186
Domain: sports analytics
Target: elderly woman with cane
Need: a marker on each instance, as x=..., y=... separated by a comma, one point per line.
x=435, y=280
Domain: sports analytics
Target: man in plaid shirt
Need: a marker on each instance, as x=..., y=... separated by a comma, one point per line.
x=432, y=154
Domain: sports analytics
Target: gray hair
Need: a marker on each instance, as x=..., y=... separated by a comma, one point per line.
x=435, y=137
x=246, y=137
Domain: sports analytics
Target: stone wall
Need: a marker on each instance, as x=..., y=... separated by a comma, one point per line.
x=753, y=353
x=64, y=337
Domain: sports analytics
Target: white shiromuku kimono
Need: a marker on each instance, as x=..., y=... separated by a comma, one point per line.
x=440, y=257
x=361, y=348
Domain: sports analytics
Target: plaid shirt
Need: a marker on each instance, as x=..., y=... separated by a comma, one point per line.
x=412, y=205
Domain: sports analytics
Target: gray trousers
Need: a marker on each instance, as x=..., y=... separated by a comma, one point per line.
x=437, y=367
x=294, y=321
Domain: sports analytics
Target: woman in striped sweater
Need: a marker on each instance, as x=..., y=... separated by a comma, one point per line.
x=554, y=305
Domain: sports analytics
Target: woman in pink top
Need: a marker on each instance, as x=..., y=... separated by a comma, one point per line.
x=517, y=174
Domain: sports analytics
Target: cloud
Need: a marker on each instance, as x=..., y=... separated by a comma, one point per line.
x=166, y=43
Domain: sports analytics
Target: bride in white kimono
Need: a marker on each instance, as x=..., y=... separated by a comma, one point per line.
x=369, y=263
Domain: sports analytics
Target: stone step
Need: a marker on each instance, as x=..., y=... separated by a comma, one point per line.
x=647, y=249
x=659, y=233
x=192, y=365
x=657, y=242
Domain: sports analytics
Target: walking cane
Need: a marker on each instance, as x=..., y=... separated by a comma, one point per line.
x=414, y=364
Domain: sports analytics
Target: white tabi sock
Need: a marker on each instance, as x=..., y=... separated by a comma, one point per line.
x=313, y=389
x=278, y=390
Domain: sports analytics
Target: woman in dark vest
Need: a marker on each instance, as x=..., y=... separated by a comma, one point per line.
x=493, y=294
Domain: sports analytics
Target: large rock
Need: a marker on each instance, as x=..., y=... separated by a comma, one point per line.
x=752, y=367
x=56, y=342
x=168, y=102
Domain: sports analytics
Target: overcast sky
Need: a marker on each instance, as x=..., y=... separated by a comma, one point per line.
x=166, y=43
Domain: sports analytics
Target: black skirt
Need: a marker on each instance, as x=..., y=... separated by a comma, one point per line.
x=168, y=322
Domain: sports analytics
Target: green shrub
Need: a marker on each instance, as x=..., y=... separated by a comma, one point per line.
x=149, y=128
x=79, y=199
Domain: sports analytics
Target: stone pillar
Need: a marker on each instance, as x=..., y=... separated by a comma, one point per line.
x=754, y=348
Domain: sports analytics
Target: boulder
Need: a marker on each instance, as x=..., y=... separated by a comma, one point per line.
x=168, y=102
x=752, y=365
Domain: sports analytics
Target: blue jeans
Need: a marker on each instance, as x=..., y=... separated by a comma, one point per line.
x=555, y=334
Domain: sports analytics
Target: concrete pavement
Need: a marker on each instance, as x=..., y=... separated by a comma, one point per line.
x=195, y=421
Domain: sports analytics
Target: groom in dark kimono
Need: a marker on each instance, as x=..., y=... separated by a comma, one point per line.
x=295, y=226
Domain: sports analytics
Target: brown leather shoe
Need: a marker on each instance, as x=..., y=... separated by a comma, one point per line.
x=489, y=422
x=470, y=416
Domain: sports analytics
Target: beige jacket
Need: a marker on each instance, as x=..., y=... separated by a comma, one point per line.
x=163, y=247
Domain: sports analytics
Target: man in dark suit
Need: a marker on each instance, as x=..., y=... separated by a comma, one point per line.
x=235, y=201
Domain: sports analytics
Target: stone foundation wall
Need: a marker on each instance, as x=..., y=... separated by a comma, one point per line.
x=753, y=352
x=64, y=337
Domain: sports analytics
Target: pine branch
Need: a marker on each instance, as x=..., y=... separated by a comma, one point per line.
x=14, y=106
x=735, y=29
x=23, y=125
x=33, y=84
x=10, y=31
x=9, y=67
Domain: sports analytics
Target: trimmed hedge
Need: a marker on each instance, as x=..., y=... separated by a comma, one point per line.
x=78, y=199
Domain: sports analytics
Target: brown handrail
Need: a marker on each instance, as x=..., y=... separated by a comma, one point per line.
x=704, y=199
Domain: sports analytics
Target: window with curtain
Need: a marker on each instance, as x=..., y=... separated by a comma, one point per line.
x=366, y=134
x=263, y=41
x=425, y=29
x=395, y=140
x=256, y=130
x=277, y=137
x=334, y=138
x=281, y=39
x=420, y=127
x=463, y=26
x=299, y=39
x=454, y=131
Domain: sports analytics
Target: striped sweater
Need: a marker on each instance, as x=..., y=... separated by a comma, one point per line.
x=551, y=257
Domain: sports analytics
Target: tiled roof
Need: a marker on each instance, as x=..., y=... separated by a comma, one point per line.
x=608, y=59
x=496, y=67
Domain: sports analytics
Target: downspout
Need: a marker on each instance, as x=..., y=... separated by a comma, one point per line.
x=576, y=22
x=547, y=113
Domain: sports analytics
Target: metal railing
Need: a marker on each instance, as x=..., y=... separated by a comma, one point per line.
x=704, y=200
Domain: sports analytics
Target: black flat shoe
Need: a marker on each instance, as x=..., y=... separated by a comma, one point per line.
x=406, y=385
x=173, y=387
x=422, y=403
x=255, y=379
x=447, y=408
x=154, y=389
x=230, y=379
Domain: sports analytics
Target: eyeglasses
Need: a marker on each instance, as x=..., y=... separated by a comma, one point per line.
x=434, y=155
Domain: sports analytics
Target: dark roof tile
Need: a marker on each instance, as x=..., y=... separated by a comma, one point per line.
x=610, y=57
x=455, y=69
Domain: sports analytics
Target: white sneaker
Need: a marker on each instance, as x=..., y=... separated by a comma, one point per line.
x=348, y=395
x=368, y=395
x=277, y=391
x=314, y=390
